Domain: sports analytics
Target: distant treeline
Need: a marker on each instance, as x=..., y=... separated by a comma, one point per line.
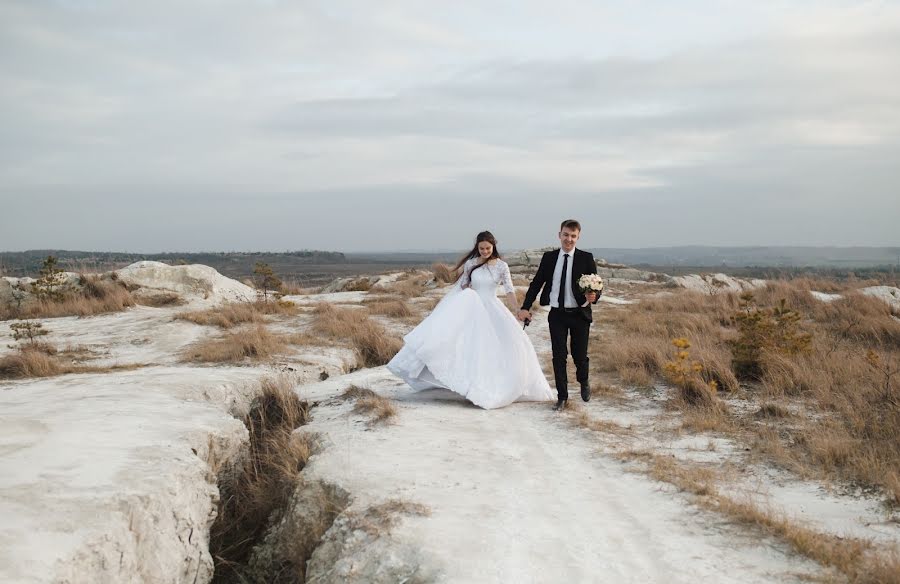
x=726, y=258
x=232, y=264
x=888, y=275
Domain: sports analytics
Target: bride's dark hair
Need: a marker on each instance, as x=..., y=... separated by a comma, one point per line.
x=481, y=237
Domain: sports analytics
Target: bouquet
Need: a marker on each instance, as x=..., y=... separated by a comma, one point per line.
x=590, y=283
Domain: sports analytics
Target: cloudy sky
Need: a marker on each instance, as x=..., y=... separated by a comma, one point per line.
x=265, y=125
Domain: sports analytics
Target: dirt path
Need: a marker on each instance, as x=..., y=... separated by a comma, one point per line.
x=520, y=495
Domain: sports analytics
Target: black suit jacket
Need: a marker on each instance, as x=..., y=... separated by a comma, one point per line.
x=582, y=263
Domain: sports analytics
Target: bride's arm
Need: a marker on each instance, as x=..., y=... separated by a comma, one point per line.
x=512, y=302
x=506, y=282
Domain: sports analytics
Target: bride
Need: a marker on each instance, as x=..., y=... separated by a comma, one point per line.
x=470, y=343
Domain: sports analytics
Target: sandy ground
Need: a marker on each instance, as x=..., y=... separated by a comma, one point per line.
x=517, y=495
x=107, y=477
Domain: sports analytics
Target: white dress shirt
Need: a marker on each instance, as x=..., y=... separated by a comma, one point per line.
x=569, y=297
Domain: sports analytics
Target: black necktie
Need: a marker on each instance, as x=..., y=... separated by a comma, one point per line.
x=561, y=299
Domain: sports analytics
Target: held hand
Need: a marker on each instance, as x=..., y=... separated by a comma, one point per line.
x=523, y=315
x=591, y=297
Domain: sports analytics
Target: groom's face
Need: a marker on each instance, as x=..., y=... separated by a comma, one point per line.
x=567, y=238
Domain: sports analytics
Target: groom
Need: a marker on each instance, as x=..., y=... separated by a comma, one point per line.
x=570, y=308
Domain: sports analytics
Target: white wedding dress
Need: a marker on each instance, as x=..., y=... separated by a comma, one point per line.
x=473, y=345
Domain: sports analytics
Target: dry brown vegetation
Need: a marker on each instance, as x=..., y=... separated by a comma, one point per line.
x=371, y=342
x=392, y=307
x=381, y=518
x=235, y=313
x=359, y=285
x=856, y=559
x=442, y=273
x=94, y=296
x=257, y=487
x=843, y=380
x=410, y=285
x=296, y=288
x=43, y=360
x=233, y=347
x=379, y=408
x=159, y=299
x=579, y=416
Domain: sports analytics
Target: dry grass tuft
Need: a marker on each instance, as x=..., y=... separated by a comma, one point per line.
x=371, y=342
x=358, y=285
x=380, y=408
x=235, y=313
x=412, y=285
x=854, y=558
x=391, y=308
x=43, y=360
x=381, y=518
x=95, y=296
x=247, y=343
x=443, y=273
x=31, y=362
x=159, y=300
x=771, y=410
x=255, y=490
x=580, y=417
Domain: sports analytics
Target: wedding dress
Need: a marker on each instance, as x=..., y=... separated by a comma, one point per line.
x=473, y=345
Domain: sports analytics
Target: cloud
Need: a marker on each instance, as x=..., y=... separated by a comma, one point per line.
x=652, y=109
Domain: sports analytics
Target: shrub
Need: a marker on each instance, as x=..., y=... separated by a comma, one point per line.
x=50, y=285
x=28, y=330
x=759, y=330
x=686, y=376
x=265, y=279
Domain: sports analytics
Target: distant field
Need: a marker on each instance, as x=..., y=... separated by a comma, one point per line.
x=314, y=268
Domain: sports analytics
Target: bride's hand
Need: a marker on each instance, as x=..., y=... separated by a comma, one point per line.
x=591, y=297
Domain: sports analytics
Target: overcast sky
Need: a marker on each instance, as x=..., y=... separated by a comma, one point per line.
x=214, y=125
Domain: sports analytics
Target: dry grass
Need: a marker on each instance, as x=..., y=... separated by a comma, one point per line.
x=856, y=559
x=379, y=519
x=442, y=273
x=379, y=408
x=371, y=342
x=43, y=360
x=247, y=343
x=412, y=285
x=255, y=490
x=31, y=361
x=236, y=313
x=159, y=299
x=391, y=308
x=95, y=296
x=579, y=417
x=849, y=379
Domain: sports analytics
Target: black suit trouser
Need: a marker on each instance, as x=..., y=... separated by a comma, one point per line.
x=563, y=325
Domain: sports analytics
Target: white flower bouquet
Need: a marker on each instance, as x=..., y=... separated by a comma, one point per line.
x=590, y=283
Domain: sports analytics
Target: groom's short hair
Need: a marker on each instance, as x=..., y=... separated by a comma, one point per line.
x=570, y=224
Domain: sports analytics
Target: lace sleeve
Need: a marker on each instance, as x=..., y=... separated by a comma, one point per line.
x=466, y=278
x=506, y=279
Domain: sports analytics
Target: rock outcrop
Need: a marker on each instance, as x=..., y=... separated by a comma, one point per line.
x=713, y=283
x=888, y=294
x=189, y=282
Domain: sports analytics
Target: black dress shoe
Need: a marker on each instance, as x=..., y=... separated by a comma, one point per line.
x=560, y=405
x=585, y=392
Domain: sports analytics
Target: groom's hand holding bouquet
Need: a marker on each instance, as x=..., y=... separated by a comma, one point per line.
x=591, y=286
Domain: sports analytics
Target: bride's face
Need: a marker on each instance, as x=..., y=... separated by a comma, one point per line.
x=485, y=249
